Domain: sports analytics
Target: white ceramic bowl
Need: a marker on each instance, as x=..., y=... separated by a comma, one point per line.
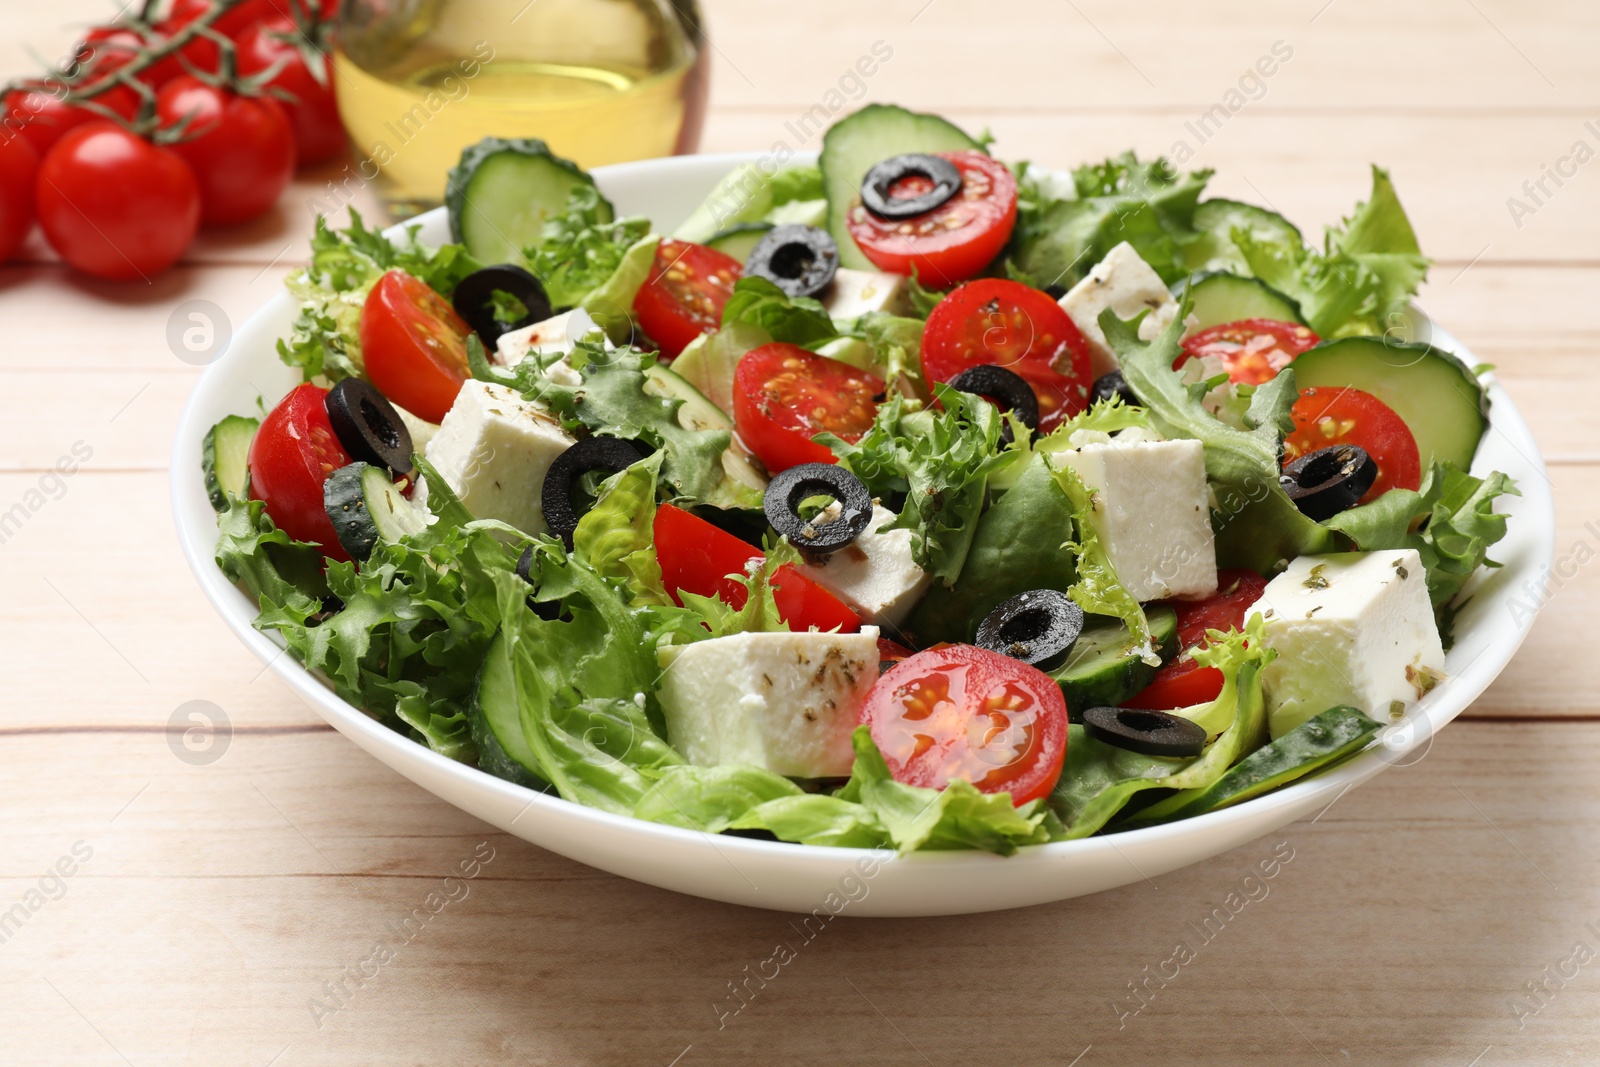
x=798, y=878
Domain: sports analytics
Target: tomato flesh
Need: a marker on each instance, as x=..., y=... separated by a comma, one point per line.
x=293, y=453
x=1326, y=416
x=1183, y=682
x=1006, y=323
x=413, y=345
x=962, y=713
x=697, y=557
x=1253, y=351
x=954, y=241
x=783, y=396
x=688, y=287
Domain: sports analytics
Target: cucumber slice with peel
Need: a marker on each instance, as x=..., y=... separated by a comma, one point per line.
x=742, y=474
x=494, y=718
x=740, y=240
x=503, y=191
x=367, y=507
x=225, y=458
x=1217, y=219
x=1221, y=297
x=1104, y=668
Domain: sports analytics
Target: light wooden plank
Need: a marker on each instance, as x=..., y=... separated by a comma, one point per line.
x=217, y=903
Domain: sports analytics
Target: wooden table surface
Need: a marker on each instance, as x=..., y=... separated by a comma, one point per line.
x=1442, y=914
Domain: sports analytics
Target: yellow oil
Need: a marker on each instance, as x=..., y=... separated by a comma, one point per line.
x=412, y=125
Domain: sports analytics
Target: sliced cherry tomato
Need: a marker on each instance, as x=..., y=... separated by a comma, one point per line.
x=697, y=557
x=240, y=147
x=1326, y=416
x=413, y=345
x=963, y=713
x=995, y=320
x=292, y=455
x=314, y=111
x=954, y=241
x=688, y=287
x=783, y=396
x=1184, y=682
x=1252, y=351
x=114, y=205
x=19, y=171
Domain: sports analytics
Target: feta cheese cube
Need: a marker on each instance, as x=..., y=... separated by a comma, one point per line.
x=1126, y=284
x=856, y=292
x=785, y=702
x=1152, y=512
x=558, y=334
x=1351, y=628
x=874, y=574
x=494, y=449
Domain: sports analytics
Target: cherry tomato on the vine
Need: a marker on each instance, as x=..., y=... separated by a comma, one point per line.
x=314, y=111
x=240, y=147
x=19, y=170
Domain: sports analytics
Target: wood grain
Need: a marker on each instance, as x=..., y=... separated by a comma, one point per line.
x=218, y=899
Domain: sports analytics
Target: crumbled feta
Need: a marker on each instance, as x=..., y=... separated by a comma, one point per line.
x=494, y=449
x=785, y=702
x=1152, y=513
x=1352, y=628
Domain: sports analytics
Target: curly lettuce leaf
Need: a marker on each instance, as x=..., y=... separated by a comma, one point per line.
x=582, y=248
x=1058, y=238
x=325, y=340
x=940, y=461
x=1098, y=779
x=1096, y=588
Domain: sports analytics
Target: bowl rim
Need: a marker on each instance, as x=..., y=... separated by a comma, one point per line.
x=1429, y=715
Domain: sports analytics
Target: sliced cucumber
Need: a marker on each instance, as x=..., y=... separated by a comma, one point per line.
x=800, y=213
x=495, y=718
x=1314, y=744
x=743, y=195
x=225, y=459
x=1222, y=297
x=740, y=240
x=1104, y=667
x=367, y=507
x=1217, y=219
x=858, y=142
x=502, y=191
x=742, y=474
x=1439, y=398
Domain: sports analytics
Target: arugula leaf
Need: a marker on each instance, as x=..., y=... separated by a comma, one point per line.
x=1097, y=589
x=580, y=250
x=1148, y=204
x=1098, y=779
x=325, y=340
x=940, y=461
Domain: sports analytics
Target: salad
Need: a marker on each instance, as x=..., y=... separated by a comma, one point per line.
x=909, y=499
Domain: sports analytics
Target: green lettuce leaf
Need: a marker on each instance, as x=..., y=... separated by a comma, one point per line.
x=1098, y=779
x=1149, y=204
x=616, y=536
x=1096, y=588
x=325, y=340
x=940, y=461
x=581, y=250
x=797, y=320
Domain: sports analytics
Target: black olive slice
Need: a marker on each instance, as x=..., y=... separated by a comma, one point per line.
x=1037, y=627
x=591, y=454
x=800, y=260
x=1154, y=733
x=1329, y=480
x=1113, y=384
x=1008, y=387
x=368, y=426
x=880, y=179
x=476, y=303
x=790, y=488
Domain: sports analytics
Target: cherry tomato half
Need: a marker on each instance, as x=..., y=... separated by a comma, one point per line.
x=19, y=171
x=292, y=455
x=1326, y=416
x=114, y=205
x=954, y=241
x=697, y=557
x=1183, y=682
x=314, y=111
x=965, y=713
x=783, y=396
x=240, y=147
x=1253, y=351
x=688, y=287
x=995, y=320
x=413, y=345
